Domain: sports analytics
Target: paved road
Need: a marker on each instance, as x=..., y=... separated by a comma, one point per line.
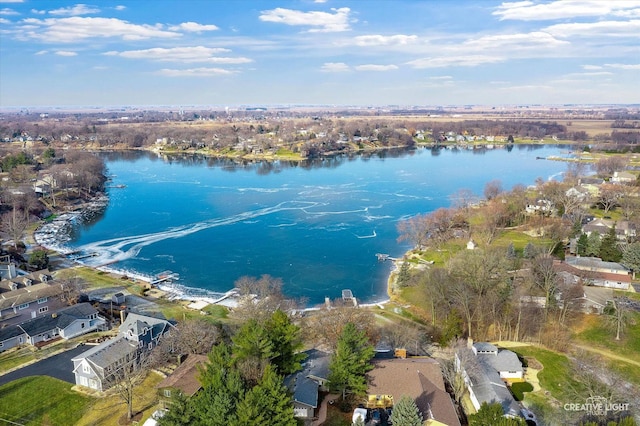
x=58, y=366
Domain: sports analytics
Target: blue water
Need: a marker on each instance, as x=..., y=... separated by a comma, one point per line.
x=317, y=227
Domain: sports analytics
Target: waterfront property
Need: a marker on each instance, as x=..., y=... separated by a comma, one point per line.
x=306, y=384
x=99, y=367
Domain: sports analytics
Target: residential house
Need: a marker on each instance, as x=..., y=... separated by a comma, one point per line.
x=65, y=323
x=624, y=229
x=595, y=271
x=418, y=378
x=540, y=206
x=306, y=384
x=7, y=268
x=95, y=368
x=10, y=337
x=184, y=379
x=623, y=177
x=28, y=296
x=486, y=374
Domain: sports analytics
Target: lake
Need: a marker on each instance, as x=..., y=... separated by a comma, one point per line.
x=316, y=225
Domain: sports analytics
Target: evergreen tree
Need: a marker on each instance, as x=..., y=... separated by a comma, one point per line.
x=286, y=343
x=268, y=403
x=493, y=415
x=406, y=413
x=609, y=250
x=631, y=257
x=582, y=245
x=511, y=251
x=529, y=251
x=350, y=363
x=222, y=389
x=403, y=275
x=593, y=244
x=252, y=341
x=181, y=412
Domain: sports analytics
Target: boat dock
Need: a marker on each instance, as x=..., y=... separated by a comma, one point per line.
x=163, y=277
x=383, y=256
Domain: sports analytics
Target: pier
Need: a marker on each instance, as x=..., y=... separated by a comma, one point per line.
x=383, y=256
x=163, y=277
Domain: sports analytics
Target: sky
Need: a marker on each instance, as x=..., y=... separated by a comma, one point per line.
x=319, y=52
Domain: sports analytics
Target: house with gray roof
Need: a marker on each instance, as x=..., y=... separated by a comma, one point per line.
x=487, y=376
x=96, y=367
x=306, y=384
x=594, y=271
x=66, y=323
x=10, y=337
x=28, y=296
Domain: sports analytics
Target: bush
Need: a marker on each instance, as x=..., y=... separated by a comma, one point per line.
x=518, y=390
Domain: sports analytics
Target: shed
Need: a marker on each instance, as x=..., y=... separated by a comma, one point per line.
x=118, y=298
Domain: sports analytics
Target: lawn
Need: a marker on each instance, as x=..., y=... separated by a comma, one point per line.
x=40, y=400
x=555, y=376
x=600, y=334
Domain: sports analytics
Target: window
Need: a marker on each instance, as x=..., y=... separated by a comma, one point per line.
x=167, y=393
x=42, y=300
x=150, y=345
x=82, y=325
x=23, y=306
x=43, y=309
x=1, y=344
x=86, y=368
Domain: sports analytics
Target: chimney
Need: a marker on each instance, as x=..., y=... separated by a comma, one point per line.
x=123, y=315
x=469, y=342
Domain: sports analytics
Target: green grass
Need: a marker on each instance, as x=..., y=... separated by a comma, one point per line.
x=518, y=390
x=39, y=400
x=601, y=335
x=555, y=376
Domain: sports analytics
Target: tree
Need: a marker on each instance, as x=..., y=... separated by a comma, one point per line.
x=126, y=376
x=618, y=315
x=593, y=244
x=608, y=196
x=545, y=277
x=350, y=362
x=403, y=275
x=39, y=259
x=266, y=403
x=406, y=412
x=13, y=226
x=582, y=245
x=609, y=250
x=631, y=257
x=493, y=415
x=608, y=165
x=326, y=325
x=286, y=343
x=180, y=411
x=222, y=389
x=492, y=189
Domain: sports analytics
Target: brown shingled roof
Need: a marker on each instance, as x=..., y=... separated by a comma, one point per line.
x=185, y=377
x=419, y=378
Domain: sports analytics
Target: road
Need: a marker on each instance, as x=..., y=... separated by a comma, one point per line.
x=58, y=366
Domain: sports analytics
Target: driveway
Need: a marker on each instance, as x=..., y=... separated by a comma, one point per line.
x=58, y=366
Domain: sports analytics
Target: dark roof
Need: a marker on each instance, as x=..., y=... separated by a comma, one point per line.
x=303, y=384
x=137, y=323
x=10, y=332
x=29, y=294
x=59, y=319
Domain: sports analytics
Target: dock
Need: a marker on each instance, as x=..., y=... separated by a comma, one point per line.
x=163, y=277
x=383, y=256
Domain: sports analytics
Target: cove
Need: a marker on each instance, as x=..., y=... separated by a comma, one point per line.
x=316, y=225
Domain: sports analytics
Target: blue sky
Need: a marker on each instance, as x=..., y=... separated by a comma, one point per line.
x=319, y=52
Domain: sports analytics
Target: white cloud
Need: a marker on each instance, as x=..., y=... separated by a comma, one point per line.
x=78, y=9
x=65, y=53
x=441, y=77
x=182, y=54
x=11, y=1
x=380, y=40
x=42, y=52
x=562, y=9
x=319, y=1
x=374, y=67
x=193, y=27
x=38, y=12
x=624, y=66
x=591, y=67
x=521, y=41
x=454, y=61
x=596, y=29
x=319, y=21
x=120, y=7
x=194, y=72
x=334, y=67
x=67, y=30
x=7, y=11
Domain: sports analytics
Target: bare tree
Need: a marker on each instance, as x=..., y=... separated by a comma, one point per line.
x=127, y=376
x=14, y=225
x=608, y=196
x=607, y=166
x=545, y=277
x=492, y=189
x=325, y=325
